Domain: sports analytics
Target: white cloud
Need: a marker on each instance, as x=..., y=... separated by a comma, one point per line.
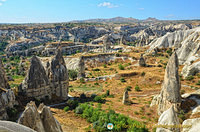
x=1, y=4
x=170, y=16
x=108, y=5
x=140, y=8
x=3, y=0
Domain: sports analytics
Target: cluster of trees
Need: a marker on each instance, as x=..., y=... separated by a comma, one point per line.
x=101, y=118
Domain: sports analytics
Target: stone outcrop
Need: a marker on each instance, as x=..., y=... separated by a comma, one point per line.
x=58, y=76
x=8, y=126
x=106, y=44
x=142, y=62
x=191, y=125
x=170, y=93
x=191, y=69
x=187, y=43
x=36, y=83
x=7, y=97
x=40, y=119
x=125, y=97
x=169, y=120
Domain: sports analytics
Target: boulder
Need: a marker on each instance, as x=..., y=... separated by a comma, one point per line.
x=3, y=78
x=170, y=93
x=36, y=84
x=81, y=65
x=41, y=119
x=169, y=120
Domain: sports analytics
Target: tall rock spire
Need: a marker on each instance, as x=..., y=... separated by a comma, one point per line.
x=59, y=76
x=170, y=93
x=3, y=79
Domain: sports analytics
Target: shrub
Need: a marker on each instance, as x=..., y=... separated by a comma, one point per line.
x=137, y=88
x=128, y=88
x=198, y=83
x=72, y=103
x=73, y=74
x=121, y=67
x=108, y=93
x=78, y=110
x=12, y=112
x=122, y=79
x=96, y=69
x=189, y=78
x=105, y=66
x=82, y=80
x=143, y=74
x=83, y=96
x=99, y=99
x=96, y=83
x=66, y=108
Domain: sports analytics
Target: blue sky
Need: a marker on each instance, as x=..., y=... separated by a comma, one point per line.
x=20, y=11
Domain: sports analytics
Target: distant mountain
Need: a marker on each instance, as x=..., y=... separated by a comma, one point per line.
x=111, y=20
x=150, y=19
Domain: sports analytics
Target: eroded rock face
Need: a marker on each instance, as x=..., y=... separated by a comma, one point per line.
x=59, y=76
x=36, y=83
x=41, y=119
x=170, y=93
x=169, y=119
x=7, y=97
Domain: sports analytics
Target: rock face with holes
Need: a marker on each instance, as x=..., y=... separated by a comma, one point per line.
x=36, y=83
x=58, y=76
x=40, y=119
x=7, y=97
x=167, y=119
x=191, y=125
x=170, y=93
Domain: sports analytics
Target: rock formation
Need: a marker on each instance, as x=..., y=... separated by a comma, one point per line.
x=8, y=126
x=191, y=69
x=106, y=44
x=186, y=41
x=169, y=120
x=142, y=62
x=41, y=119
x=58, y=76
x=7, y=97
x=81, y=69
x=125, y=97
x=36, y=83
x=170, y=93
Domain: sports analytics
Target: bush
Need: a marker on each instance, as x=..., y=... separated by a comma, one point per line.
x=137, y=88
x=189, y=78
x=105, y=66
x=78, y=110
x=82, y=80
x=108, y=93
x=143, y=74
x=122, y=79
x=73, y=74
x=99, y=99
x=83, y=96
x=12, y=112
x=121, y=67
x=198, y=83
x=72, y=103
x=66, y=108
x=96, y=69
x=128, y=88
